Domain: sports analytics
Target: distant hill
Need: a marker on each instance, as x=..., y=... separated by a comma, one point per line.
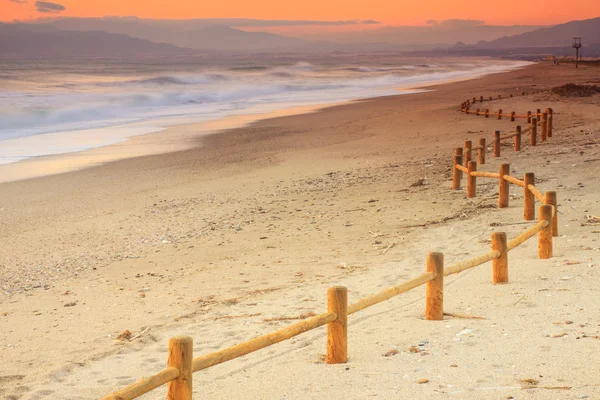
x=559, y=35
x=42, y=41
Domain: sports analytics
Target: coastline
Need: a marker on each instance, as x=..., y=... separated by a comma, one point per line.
x=197, y=241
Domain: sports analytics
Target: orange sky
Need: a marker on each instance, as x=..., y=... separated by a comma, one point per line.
x=391, y=12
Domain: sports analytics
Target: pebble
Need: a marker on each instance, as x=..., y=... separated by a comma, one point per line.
x=422, y=380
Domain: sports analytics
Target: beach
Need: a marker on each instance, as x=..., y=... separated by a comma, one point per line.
x=238, y=233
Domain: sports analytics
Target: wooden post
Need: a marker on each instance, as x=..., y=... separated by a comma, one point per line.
x=468, y=152
x=181, y=350
x=528, y=116
x=487, y=112
x=481, y=99
x=474, y=100
x=471, y=180
x=500, y=264
x=434, y=291
x=518, y=139
x=538, y=114
x=545, y=236
x=481, y=151
x=503, y=191
x=499, y=96
x=544, y=126
x=550, y=198
x=491, y=98
x=533, y=132
x=500, y=114
x=512, y=116
x=337, y=331
x=550, y=119
x=528, y=199
x=456, y=173
x=497, y=144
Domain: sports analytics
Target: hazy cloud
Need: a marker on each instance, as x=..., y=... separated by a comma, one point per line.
x=455, y=23
x=49, y=7
x=19, y=1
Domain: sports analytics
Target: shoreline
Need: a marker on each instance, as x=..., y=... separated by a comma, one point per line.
x=166, y=137
x=213, y=242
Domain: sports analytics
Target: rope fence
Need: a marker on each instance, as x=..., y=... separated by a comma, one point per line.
x=178, y=375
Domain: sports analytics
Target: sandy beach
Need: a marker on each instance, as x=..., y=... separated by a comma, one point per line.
x=241, y=232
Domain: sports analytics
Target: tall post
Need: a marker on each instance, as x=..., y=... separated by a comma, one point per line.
x=500, y=264
x=456, y=173
x=512, y=116
x=181, y=350
x=503, y=190
x=337, y=331
x=481, y=151
x=528, y=198
x=500, y=114
x=544, y=126
x=497, y=144
x=518, y=139
x=528, y=115
x=545, y=236
x=550, y=120
x=550, y=198
x=471, y=180
x=468, y=152
x=533, y=132
x=434, y=291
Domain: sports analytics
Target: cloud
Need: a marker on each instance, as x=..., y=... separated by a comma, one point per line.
x=455, y=23
x=18, y=1
x=276, y=23
x=49, y=7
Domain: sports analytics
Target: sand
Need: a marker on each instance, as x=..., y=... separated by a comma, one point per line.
x=255, y=223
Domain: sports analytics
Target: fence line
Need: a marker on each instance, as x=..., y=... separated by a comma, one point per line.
x=181, y=364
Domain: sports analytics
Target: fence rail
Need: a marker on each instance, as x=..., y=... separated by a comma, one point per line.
x=181, y=364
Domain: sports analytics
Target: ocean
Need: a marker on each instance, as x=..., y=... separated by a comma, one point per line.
x=95, y=103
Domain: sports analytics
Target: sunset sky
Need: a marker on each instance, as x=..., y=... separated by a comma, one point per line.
x=402, y=12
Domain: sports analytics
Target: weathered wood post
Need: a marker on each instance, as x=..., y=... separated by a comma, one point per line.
x=487, y=112
x=477, y=111
x=503, y=190
x=544, y=126
x=456, y=173
x=471, y=180
x=518, y=139
x=337, y=331
x=499, y=97
x=545, y=236
x=468, y=152
x=481, y=151
x=538, y=114
x=481, y=99
x=434, y=290
x=500, y=114
x=500, y=264
x=550, y=119
x=181, y=350
x=528, y=199
x=528, y=117
x=497, y=144
x=512, y=116
x=491, y=98
x=474, y=100
x=533, y=132
x=550, y=198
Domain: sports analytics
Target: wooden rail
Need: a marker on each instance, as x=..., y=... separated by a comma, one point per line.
x=181, y=364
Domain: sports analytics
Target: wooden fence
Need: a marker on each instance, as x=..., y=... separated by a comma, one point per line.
x=181, y=364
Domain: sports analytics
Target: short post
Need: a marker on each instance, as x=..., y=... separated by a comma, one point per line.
x=491, y=98
x=181, y=350
x=500, y=114
x=468, y=152
x=533, y=133
x=481, y=151
x=518, y=139
x=538, y=114
x=481, y=99
x=550, y=198
x=528, y=199
x=500, y=264
x=497, y=144
x=477, y=112
x=544, y=126
x=499, y=96
x=512, y=116
x=503, y=190
x=528, y=116
x=337, y=331
x=487, y=112
x=550, y=119
x=474, y=100
x=545, y=236
x=434, y=291
x=456, y=173
x=471, y=180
